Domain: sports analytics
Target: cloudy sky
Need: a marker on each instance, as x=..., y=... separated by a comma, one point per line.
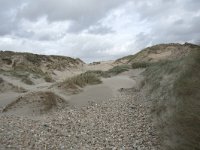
x=95, y=30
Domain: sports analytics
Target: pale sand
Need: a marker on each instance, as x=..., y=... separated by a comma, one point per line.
x=108, y=89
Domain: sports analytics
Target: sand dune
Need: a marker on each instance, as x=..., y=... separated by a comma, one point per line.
x=45, y=107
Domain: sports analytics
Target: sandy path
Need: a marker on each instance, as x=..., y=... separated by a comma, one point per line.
x=107, y=90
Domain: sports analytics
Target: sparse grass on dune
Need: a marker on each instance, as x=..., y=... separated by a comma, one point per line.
x=41, y=103
x=174, y=88
x=99, y=73
x=6, y=86
x=24, y=74
x=119, y=69
x=81, y=80
x=116, y=70
x=111, y=72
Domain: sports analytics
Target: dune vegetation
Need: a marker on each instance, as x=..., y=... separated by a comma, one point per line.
x=173, y=88
x=87, y=78
x=111, y=72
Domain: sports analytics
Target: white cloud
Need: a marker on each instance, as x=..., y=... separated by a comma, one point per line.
x=43, y=30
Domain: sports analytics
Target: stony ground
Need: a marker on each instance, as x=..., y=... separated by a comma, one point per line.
x=123, y=122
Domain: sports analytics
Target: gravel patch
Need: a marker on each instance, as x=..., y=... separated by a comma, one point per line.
x=123, y=122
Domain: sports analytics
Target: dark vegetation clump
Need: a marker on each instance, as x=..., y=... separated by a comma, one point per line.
x=7, y=61
x=1, y=80
x=27, y=80
x=49, y=101
x=137, y=65
x=48, y=78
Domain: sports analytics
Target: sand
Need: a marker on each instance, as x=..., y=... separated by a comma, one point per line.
x=107, y=90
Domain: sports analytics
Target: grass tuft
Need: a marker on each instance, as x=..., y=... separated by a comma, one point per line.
x=81, y=80
x=119, y=69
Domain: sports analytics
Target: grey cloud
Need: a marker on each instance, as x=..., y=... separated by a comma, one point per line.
x=170, y=21
x=179, y=22
x=192, y=5
x=88, y=47
x=188, y=30
x=153, y=9
x=81, y=13
x=141, y=41
x=7, y=16
x=100, y=30
x=24, y=34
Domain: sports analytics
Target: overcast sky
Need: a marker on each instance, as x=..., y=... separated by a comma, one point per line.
x=95, y=30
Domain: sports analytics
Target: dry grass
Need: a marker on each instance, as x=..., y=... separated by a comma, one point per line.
x=47, y=77
x=81, y=80
x=118, y=69
x=175, y=93
x=24, y=73
x=187, y=92
x=111, y=72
